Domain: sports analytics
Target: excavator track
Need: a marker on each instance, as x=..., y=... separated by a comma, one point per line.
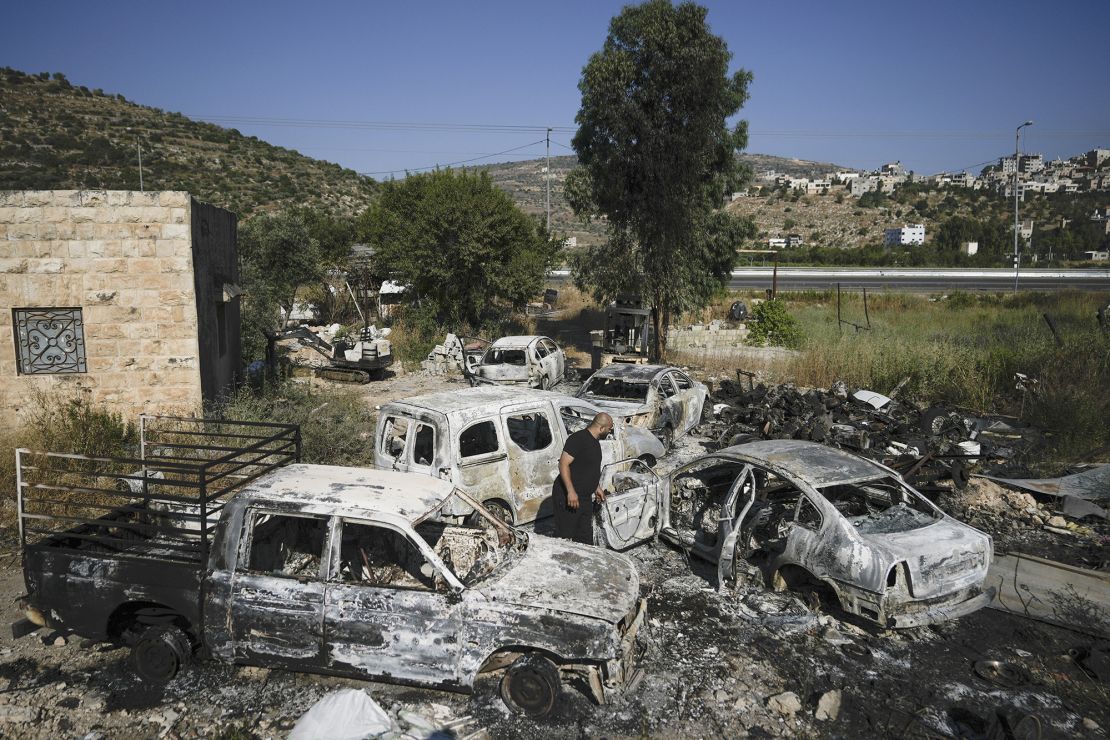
x=343, y=374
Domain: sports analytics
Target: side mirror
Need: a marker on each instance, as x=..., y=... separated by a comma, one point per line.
x=427, y=570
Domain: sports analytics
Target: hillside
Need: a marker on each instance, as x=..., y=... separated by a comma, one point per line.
x=523, y=181
x=1061, y=222
x=54, y=135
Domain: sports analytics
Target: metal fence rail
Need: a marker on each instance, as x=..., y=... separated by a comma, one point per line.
x=164, y=503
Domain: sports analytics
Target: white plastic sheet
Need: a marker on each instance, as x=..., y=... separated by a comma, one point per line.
x=344, y=714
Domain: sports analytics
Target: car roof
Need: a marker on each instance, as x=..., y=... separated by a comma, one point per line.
x=494, y=396
x=360, y=492
x=811, y=462
x=516, y=341
x=631, y=372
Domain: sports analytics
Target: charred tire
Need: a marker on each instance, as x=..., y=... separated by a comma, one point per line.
x=497, y=509
x=531, y=686
x=160, y=652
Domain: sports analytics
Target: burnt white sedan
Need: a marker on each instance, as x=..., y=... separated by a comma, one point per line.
x=659, y=397
x=814, y=517
x=532, y=361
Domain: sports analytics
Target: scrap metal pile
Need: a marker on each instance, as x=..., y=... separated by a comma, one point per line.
x=926, y=445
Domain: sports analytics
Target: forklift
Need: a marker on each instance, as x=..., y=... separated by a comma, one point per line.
x=626, y=337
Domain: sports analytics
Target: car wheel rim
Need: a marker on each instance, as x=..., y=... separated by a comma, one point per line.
x=529, y=691
x=157, y=659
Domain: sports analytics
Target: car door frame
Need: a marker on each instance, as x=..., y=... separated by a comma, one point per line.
x=670, y=407
x=265, y=607
x=639, y=504
x=688, y=400
x=405, y=462
x=489, y=464
x=528, y=505
x=555, y=361
x=412, y=614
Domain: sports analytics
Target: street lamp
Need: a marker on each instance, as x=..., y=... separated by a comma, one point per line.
x=1017, y=162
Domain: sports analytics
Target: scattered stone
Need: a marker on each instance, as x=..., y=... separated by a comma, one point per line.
x=787, y=703
x=417, y=721
x=833, y=636
x=828, y=706
x=59, y=641
x=15, y=713
x=254, y=673
x=1090, y=725
x=721, y=696
x=1057, y=521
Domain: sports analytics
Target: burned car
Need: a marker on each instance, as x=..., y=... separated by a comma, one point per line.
x=321, y=569
x=532, y=361
x=500, y=445
x=658, y=397
x=810, y=515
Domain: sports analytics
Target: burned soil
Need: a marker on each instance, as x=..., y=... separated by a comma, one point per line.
x=734, y=662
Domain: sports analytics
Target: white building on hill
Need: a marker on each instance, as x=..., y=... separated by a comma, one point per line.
x=904, y=235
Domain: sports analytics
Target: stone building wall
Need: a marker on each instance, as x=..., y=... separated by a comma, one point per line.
x=126, y=260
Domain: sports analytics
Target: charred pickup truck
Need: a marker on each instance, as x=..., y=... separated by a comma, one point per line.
x=216, y=543
x=814, y=517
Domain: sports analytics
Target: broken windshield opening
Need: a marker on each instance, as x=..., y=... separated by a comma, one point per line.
x=880, y=506
x=616, y=388
x=473, y=553
x=505, y=357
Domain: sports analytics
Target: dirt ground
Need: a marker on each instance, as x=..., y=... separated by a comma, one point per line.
x=739, y=662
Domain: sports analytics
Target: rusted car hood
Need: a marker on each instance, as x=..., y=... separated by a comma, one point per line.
x=567, y=577
x=942, y=557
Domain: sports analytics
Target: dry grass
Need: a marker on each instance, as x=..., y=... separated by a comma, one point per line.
x=965, y=349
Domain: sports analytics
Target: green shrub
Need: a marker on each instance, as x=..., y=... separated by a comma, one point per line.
x=774, y=325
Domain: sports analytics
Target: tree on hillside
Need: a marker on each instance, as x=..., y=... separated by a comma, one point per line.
x=657, y=158
x=459, y=242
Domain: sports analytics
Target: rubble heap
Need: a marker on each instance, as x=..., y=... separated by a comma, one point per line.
x=445, y=358
x=926, y=444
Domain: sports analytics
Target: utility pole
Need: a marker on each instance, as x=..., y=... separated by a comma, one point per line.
x=1017, y=225
x=140, y=148
x=548, y=180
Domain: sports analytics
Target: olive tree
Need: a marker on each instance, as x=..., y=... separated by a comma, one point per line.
x=459, y=242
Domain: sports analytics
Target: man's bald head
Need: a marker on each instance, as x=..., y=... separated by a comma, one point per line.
x=602, y=424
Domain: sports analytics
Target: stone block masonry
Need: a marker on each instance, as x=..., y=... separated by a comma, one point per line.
x=123, y=263
x=709, y=341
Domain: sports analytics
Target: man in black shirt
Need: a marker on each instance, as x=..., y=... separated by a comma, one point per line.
x=579, y=481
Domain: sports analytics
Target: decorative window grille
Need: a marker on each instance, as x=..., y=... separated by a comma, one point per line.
x=49, y=340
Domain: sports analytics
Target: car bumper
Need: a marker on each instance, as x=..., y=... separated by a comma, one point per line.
x=941, y=613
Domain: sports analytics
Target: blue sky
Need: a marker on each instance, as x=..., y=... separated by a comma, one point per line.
x=938, y=85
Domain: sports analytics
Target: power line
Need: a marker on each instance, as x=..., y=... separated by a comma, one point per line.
x=452, y=164
x=441, y=126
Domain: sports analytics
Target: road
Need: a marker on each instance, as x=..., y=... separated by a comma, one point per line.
x=921, y=280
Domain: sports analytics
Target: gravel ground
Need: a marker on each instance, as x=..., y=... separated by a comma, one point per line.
x=742, y=662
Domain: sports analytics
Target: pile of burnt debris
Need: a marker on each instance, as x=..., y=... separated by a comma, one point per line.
x=926, y=445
